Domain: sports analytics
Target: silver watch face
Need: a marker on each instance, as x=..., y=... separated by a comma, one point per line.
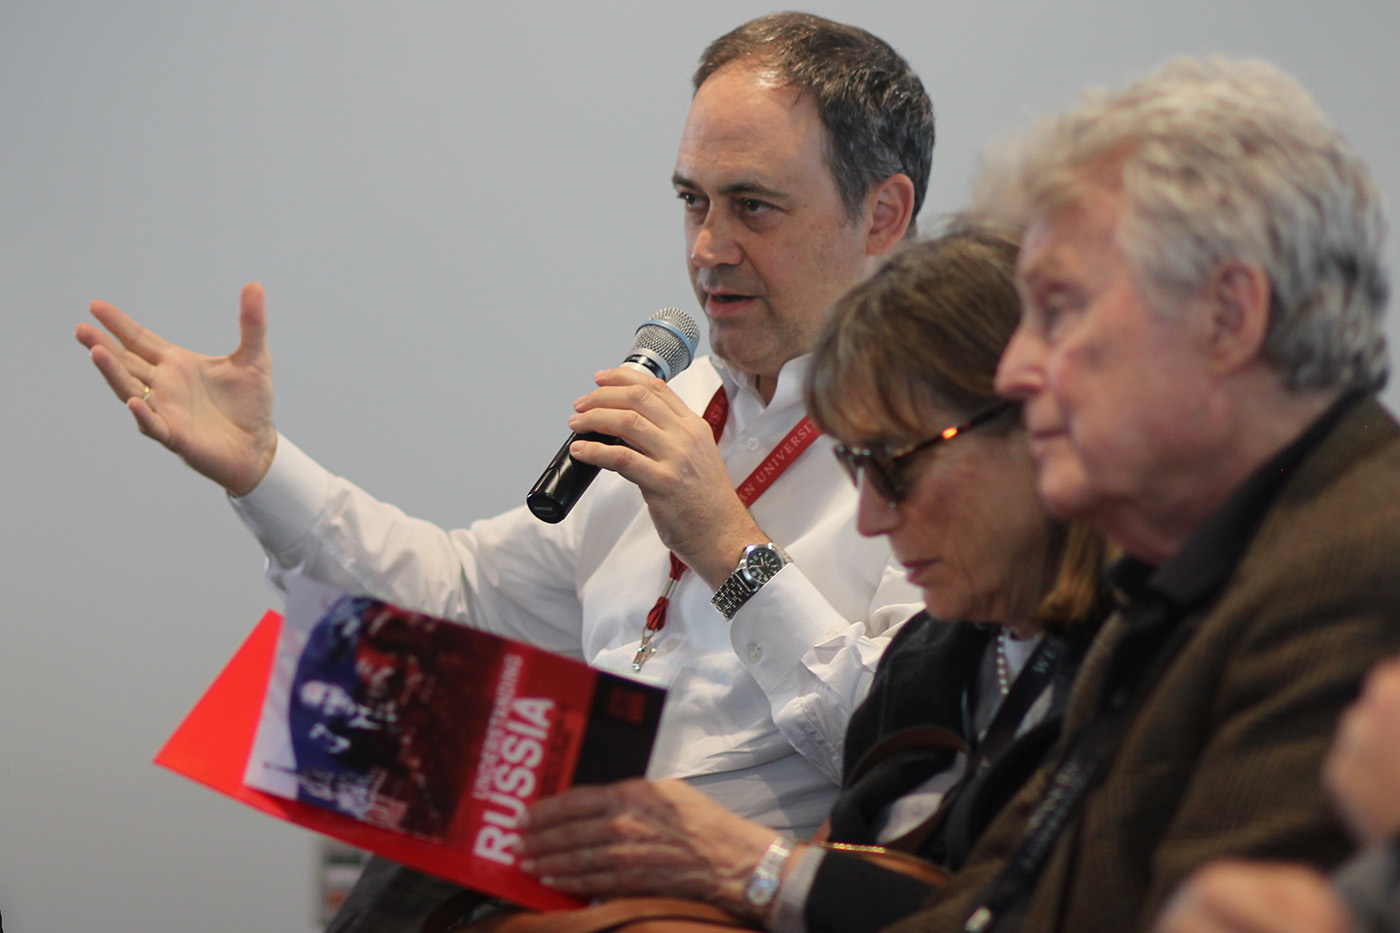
x=761, y=562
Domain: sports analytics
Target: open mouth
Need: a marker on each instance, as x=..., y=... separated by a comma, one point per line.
x=723, y=305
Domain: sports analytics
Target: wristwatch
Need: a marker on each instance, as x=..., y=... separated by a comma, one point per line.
x=767, y=877
x=758, y=565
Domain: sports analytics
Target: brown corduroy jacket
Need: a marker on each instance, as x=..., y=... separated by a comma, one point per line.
x=1223, y=756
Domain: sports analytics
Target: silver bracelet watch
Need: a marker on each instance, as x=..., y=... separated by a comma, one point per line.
x=767, y=876
x=760, y=563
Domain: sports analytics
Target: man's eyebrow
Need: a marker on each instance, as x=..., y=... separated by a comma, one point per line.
x=741, y=188
x=1038, y=273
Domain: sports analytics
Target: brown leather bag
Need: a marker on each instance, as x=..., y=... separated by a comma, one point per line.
x=670, y=914
x=629, y=914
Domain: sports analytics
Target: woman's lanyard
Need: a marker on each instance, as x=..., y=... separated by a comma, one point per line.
x=1010, y=713
x=763, y=476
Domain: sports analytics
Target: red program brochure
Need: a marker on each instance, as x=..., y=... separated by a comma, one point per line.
x=413, y=737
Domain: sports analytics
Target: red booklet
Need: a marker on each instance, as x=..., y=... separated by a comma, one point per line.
x=413, y=737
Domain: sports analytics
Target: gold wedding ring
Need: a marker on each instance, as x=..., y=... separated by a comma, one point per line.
x=146, y=394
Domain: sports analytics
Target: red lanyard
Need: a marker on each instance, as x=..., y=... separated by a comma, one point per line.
x=757, y=482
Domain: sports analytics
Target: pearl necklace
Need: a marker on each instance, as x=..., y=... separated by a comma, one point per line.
x=1003, y=666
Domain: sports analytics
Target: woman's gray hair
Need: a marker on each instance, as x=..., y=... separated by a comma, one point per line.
x=1225, y=160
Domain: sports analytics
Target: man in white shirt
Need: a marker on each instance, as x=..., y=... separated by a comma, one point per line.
x=803, y=161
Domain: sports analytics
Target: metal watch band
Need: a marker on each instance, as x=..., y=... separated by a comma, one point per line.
x=732, y=594
x=739, y=587
x=767, y=874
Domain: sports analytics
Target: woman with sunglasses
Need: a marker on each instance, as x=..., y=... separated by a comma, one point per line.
x=960, y=713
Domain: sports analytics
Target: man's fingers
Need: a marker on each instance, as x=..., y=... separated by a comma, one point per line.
x=628, y=380
x=126, y=373
x=252, y=321
x=148, y=422
x=119, y=374
x=634, y=429
x=135, y=338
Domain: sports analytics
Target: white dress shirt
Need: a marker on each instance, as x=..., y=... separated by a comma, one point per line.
x=758, y=706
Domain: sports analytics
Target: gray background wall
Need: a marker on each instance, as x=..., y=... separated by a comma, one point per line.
x=459, y=210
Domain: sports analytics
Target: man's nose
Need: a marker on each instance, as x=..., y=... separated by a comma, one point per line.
x=1019, y=371
x=715, y=244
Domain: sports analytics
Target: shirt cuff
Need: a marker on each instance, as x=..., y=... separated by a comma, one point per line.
x=773, y=630
x=282, y=509
x=789, y=911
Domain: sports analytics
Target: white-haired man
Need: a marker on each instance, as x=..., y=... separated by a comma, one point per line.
x=1198, y=358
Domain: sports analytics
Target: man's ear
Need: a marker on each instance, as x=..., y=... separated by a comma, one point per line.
x=1237, y=305
x=890, y=206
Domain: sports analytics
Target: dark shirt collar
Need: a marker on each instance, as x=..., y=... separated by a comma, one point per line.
x=1208, y=558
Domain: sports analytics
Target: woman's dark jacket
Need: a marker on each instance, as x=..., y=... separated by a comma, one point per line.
x=925, y=678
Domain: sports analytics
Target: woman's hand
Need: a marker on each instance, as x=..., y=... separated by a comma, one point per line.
x=643, y=838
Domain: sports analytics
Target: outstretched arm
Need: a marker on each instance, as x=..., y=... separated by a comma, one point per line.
x=214, y=412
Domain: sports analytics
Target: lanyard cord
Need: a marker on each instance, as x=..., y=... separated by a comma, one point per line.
x=757, y=482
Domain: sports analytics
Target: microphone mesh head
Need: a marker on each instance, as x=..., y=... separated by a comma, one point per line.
x=670, y=337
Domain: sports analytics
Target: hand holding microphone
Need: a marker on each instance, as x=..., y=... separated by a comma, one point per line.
x=664, y=346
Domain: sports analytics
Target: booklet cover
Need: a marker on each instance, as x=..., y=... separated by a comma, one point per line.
x=413, y=737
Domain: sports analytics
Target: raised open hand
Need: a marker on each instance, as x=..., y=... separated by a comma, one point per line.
x=215, y=412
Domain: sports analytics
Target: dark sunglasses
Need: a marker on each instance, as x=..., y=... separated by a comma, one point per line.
x=883, y=467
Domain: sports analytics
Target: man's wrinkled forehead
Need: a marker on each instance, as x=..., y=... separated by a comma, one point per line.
x=1057, y=230
x=741, y=134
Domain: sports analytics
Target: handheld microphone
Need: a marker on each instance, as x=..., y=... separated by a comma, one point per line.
x=664, y=346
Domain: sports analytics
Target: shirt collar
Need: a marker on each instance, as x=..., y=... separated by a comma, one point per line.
x=790, y=381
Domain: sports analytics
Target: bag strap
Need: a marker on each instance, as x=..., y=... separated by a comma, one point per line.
x=894, y=860
x=1034, y=677
x=614, y=914
x=912, y=739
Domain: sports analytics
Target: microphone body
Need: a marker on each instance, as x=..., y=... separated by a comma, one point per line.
x=664, y=346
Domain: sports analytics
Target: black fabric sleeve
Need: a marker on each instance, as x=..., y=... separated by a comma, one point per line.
x=852, y=895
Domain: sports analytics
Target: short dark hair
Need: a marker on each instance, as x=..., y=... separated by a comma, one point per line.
x=878, y=119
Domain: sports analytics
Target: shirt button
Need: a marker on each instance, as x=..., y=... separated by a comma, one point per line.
x=755, y=653
x=751, y=443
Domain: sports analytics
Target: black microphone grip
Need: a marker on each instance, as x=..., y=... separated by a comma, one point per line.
x=564, y=480
x=663, y=346
x=562, y=483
